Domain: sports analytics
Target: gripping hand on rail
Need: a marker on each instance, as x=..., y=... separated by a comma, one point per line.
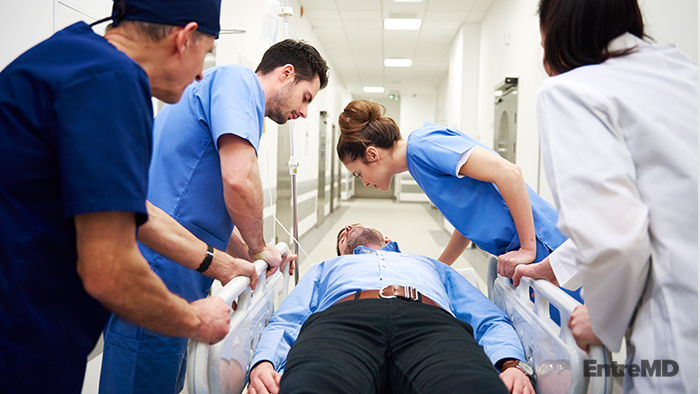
x=540, y=270
x=264, y=379
x=274, y=259
x=214, y=319
x=580, y=325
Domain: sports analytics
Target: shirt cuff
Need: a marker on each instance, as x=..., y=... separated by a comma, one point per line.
x=463, y=159
x=563, y=263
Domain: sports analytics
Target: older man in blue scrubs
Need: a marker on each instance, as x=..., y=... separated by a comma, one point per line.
x=205, y=174
x=75, y=145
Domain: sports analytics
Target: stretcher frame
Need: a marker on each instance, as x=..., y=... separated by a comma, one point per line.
x=252, y=313
x=549, y=347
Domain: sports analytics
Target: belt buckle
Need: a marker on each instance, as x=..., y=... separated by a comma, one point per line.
x=410, y=293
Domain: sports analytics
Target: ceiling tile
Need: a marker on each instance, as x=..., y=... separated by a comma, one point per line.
x=450, y=5
x=373, y=26
x=317, y=5
x=322, y=15
x=476, y=16
x=455, y=16
x=355, y=15
x=482, y=5
x=367, y=5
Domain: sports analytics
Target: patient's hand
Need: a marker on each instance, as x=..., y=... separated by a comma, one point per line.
x=507, y=262
x=264, y=379
x=580, y=325
x=541, y=270
x=516, y=381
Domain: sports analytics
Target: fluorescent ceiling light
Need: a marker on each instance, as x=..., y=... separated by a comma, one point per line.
x=398, y=62
x=373, y=89
x=402, y=24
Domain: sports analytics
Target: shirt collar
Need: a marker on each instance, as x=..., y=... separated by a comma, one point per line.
x=624, y=42
x=391, y=246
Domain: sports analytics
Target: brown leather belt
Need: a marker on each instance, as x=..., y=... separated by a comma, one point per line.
x=400, y=292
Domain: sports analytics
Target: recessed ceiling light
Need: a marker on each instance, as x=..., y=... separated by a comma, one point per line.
x=402, y=24
x=398, y=62
x=373, y=89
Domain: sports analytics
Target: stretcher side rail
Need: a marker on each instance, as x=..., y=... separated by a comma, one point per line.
x=549, y=347
x=222, y=367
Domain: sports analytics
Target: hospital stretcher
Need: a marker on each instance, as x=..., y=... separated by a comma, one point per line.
x=550, y=349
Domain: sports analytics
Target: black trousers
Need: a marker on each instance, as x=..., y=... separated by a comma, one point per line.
x=387, y=346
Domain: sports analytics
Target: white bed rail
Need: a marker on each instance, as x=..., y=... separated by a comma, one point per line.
x=222, y=367
x=550, y=348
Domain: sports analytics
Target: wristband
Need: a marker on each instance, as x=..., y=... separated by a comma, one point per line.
x=207, y=260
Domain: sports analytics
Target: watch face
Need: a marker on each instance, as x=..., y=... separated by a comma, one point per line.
x=525, y=367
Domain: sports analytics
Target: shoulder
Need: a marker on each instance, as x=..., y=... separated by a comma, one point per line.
x=238, y=79
x=231, y=72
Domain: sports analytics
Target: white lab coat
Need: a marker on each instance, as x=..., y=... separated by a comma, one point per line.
x=620, y=147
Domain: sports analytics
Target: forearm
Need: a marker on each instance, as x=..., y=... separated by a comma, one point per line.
x=458, y=243
x=166, y=236
x=244, y=202
x=237, y=247
x=242, y=189
x=514, y=191
x=487, y=166
x=114, y=272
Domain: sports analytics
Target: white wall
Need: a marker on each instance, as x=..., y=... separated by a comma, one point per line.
x=459, y=102
x=509, y=46
x=673, y=22
x=415, y=110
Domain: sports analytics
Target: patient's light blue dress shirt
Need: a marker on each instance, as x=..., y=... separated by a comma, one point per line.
x=329, y=281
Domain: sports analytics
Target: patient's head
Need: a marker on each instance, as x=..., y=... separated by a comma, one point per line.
x=353, y=235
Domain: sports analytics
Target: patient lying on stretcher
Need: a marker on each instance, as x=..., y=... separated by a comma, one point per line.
x=376, y=319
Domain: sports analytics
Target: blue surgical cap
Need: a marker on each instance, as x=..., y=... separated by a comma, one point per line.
x=171, y=12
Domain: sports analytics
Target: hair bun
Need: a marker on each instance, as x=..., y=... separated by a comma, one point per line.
x=358, y=114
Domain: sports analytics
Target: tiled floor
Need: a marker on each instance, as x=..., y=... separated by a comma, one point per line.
x=416, y=227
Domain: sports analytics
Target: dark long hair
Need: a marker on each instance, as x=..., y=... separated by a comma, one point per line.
x=362, y=124
x=577, y=32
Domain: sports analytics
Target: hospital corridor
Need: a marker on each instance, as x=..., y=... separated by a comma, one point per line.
x=482, y=196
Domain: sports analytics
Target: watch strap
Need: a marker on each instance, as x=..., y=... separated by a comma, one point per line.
x=207, y=259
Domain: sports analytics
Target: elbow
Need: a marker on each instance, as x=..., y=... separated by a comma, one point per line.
x=510, y=175
x=98, y=284
x=239, y=185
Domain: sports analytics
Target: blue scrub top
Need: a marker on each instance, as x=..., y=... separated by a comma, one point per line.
x=75, y=137
x=185, y=175
x=475, y=208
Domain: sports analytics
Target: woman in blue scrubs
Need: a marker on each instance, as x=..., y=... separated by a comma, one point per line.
x=481, y=194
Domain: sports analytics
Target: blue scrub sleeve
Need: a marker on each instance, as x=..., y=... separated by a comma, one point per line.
x=104, y=125
x=442, y=151
x=234, y=106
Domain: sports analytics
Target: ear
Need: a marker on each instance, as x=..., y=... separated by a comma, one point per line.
x=287, y=73
x=371, y=154
x=185, y=37
x=386, y=240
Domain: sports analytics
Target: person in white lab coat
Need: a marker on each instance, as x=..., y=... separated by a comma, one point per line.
x=619, y=130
